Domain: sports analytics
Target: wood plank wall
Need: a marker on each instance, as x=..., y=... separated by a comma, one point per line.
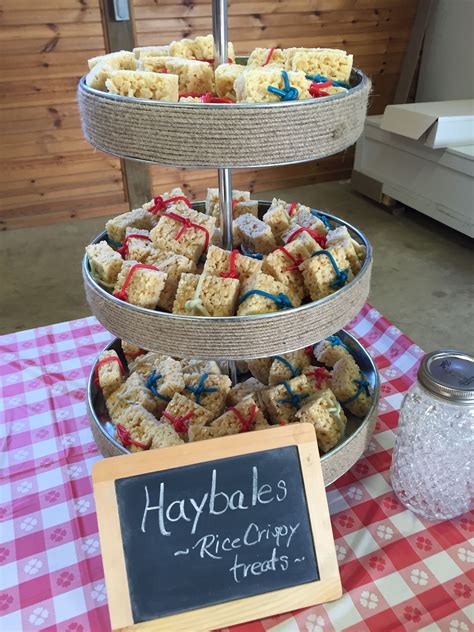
x=49, y=173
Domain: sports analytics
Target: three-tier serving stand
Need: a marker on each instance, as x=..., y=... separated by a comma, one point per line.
x=226, y=137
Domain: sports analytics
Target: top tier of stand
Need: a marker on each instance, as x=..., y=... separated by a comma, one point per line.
x=240, y=135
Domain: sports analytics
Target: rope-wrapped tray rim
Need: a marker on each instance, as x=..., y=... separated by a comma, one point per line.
x=233, y=319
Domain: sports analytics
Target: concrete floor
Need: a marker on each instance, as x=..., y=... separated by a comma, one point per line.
x=422, y=276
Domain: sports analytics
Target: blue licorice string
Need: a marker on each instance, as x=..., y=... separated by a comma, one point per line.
x=198, y=390
x=320, y=79
x=287, y=363
x=322, y=218
x=337, y=342
x=153, y=378
x=281, y=300
x=289, y=93
x=254, y=255
x=363, y=386
x=341, y=275
x=114, y=244
x=294, y=399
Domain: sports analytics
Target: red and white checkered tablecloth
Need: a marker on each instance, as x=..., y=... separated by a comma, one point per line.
x=399, y=572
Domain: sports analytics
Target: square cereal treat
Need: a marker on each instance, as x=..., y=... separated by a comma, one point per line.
x=138, y=218
x=109, y=372
x=144, y=363
x=318, y=376
x=101, y=67
x=305, y=235
x=277, y=218
x=326, y=272
x=241, y=390
x=143, y=85
x=260, y=368
x=208, y=390
x=182, y=413
x=200, y=366
x=283, y=264
x=244, y=207
x=303, y=216
x=266, y=57
x=351, y=387
x=193, y=75
x=340, y=237
x=222, y=263
x=131, y=351
x=255, y=234
x=329, y=62
x=174, y=266
x=165, y=436
x=105, y=263
x=202, y=433
x=262, y=294
x=153, y=64
x=288, y=366
x=252, y=85
x=284, y=400
x=212, y=200
x=225, y=76
x=138, y=430
x=243, y=417
x=331, y=350
x=137, y=245
x=175, y=198
x=202, y=48
x=151, y=51
x=132, y=391
x=206, y=295
x=139, y=284
x=325, y=413
x=166, y=379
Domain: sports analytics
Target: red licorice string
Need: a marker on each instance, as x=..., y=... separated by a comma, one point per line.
x=320, y=375
x=123, y=250
x=122, y=294
x=234, y=204
x=126, y=440
x=159, y=204
x=308, y=350
x=316, y=89
x=245, y=424
x=106, y=361
x=321, y=239
x=179, y=423
x=269, y=56
x=232, y=274
x=211, y=61
x=292, y=208
x=187, y=223
x=134, y=354
x=297, y=261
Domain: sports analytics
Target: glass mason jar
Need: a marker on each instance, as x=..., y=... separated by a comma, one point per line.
x=432, y=457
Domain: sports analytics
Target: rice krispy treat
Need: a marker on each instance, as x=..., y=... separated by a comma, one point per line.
x=138, y=218
x=200, y=366
x=341, y=237
x=201, y=47
x=252, y=85
x=243, y=417
x=182, y=413
x=283, y=264
x=319, y=274
x=105, y=263
x=208, y=390
x=255, y=234
x=255, y=303
x=138, y=430
x=303, y=216
x=202, y=433
x=137, y=245
x=350, y=386
x=145, y=363
x=330, y=62
x=284, y=400
x=151, y=51
x=241, y=390
x=266, y=57
x=139, y=285
x=101, y=67
x=153, y=64
x=166, y=379
x=225, y=76
x=277, y=218
x=131, y=351
x=212, y=199
x=132, y=392
x=288, y=366
x=325, y=413
x=193, y=75
x=331, y=350
x=109, y=372
x=318, y=376
x=260, y=368
x=143, y=85
x=295, y=234
x=206, y=295
x=168, y=198
x=174, y=265
x=218, y=263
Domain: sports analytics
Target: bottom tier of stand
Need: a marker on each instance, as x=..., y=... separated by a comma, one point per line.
x=334, y=463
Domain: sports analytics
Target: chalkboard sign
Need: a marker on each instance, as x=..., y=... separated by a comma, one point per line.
x=195, y=534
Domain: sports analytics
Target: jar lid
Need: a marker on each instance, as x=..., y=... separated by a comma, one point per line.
x=449, y=374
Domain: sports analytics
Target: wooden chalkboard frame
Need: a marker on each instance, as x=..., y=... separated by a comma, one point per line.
x=327, y=588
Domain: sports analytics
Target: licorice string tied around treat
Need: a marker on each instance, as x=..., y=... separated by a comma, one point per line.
x=126, y=439
x=335, y=341
x=297, y=261
x=289, y=93
x=211, y=61
x=209, y=98
x=103, y=361
x=123, y=250
x=341, y=275
x=232, y=274
x=122, y=293
x=322, y=218
x=292, y=208
x=293, y=370
x=134, y=354
x=151, y=383
x=160, y=204
x=268, y=57
x=293, y=399
x=320, y=239
x=180, y=424
x=195, y=305
x=309, y=350
x=316, y=90
x=186, y=224
x=320, y=375
x=363, y=386
x=320, y=79
x=201, y=389
x=111, y=242
x=245, y=424
x=281, y=300
x=253, y=255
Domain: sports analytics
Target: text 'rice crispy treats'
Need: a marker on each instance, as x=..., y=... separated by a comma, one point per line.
x=208, y=390
x=252, y=85
x=206, y=295
x=350, y=387
x=105, y=263
x=328, y=62
x=325, y=413
x=143, y=85
x=218, y=264
x=320, y=276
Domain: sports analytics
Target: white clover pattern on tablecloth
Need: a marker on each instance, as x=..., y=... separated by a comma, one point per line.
x=389, y=561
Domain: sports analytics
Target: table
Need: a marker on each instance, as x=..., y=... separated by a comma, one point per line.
x=399, y=571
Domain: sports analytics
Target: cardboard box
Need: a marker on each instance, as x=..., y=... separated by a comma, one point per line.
x=437, y=124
